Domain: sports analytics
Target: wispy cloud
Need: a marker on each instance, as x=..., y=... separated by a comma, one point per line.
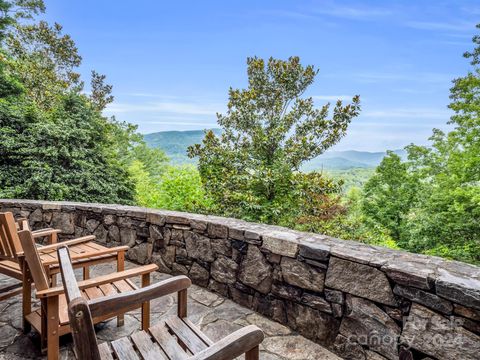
x=333, y=9
x=152, y=95
x=416, y=91
x=424, y=77
x=169, y=107
x=333, y=97
x=352, y=12
x=411, y=113
x=448, y=26
x=184, y=123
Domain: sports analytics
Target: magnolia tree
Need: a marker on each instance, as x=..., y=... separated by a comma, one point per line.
x=270, y=129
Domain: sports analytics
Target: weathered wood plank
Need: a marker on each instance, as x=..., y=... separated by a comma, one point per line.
x=105, y=352
x=124, y=350
x=167, y=342
x=108, y=289
x=93, y=293
x=185, y=334
x=197, y=331
x=149, y=349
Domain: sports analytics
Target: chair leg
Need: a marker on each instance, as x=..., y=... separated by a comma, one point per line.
x=26, y=295
x=253, y=354
x=53, y=347
x=86, y=272
x=145, y=305
x=182, y=303
x=54, y=280
x=43, y=325
x=120, y=267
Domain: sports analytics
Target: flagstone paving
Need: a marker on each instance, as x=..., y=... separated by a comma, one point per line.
x=216, y=316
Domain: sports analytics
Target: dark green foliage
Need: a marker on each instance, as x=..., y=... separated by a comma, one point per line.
x=62, y=155
x=54, y=142
x=269, y=131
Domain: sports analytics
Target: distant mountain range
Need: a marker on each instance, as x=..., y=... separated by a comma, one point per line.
x=350, y=159
x=175, y=144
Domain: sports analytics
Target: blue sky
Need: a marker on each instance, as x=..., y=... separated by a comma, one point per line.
x=171, y=62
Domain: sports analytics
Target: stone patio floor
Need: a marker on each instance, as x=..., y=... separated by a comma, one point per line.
x=216, y=316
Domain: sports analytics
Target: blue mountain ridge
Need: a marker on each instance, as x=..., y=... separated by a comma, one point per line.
x=175, y=144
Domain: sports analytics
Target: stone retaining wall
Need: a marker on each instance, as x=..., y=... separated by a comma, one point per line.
x=362, y=302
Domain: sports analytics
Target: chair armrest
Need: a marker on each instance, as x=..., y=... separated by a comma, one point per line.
x=100, y=280
x=100, y=307
x=233, y=345
x=53, y=247
x=87, y=255
x=45, y=232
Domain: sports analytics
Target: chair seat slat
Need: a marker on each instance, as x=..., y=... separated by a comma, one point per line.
x=93, y=293
x=105, y=351
x=122, y=286
x=149, y=349
x=185, y=335
x=167, y=342
x=197, y=331
x=124, y=349
x=108, y=289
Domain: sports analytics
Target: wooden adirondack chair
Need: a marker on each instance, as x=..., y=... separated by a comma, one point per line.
x=9, y=246
x=86, y=253
x=177, y=338
x=51, y=319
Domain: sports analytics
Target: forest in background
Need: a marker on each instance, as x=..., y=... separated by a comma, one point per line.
x=56, y=144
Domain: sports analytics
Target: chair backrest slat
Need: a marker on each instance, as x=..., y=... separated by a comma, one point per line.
x=9, y=231
x=33, y=260
x=4, y=244
x=79, y=314
x=68, y=275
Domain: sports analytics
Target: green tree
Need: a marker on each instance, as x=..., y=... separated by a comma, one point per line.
x=431, y=203
x=60, y=155
x=269, y=131
x=154, y=160
x=45, y=60
x=447, y=223
x=390, y=194
x=177, y=188
x=55, y=143
x=101, y=92
x=12, y=11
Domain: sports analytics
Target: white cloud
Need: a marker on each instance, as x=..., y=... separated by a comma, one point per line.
x=334, y=10
x=167, y=107
x=377, y=77
x=411, y=113
x=333, y=97
x=449, y=26
x=183, y=123
x=152, y=95
x=351, y=12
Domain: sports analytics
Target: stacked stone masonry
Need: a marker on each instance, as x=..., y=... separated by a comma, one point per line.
x=362, y=302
